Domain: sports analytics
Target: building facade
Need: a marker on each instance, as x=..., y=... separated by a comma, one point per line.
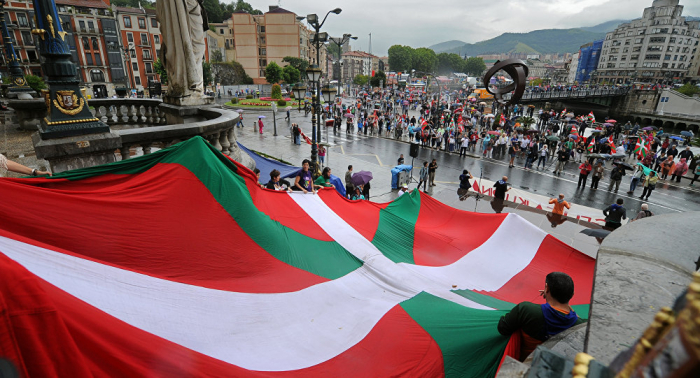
x=657, y=48
x=589, y=56
x=19, y=17
x=139, y=48
x=87, y=20
x=270, y=37
x=573, y=68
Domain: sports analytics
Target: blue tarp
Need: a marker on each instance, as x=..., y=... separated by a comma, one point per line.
x=266, y=166
x=395, y=174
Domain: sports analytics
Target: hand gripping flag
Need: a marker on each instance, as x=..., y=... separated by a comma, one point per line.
x=177, y=263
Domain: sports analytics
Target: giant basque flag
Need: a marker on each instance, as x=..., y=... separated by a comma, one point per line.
x=178, y=264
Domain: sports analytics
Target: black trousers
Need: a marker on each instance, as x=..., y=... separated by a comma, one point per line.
x=594, y=182
x=582, y=179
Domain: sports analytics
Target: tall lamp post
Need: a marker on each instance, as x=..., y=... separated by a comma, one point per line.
x=19, y=86
x=313, y=73
x=340, y=42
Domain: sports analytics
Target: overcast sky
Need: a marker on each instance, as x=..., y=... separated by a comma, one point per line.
x=421, y=23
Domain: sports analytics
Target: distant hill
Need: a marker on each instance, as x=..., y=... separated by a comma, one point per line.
x=538, y=41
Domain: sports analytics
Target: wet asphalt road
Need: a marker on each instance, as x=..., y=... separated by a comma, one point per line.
x=667, y=198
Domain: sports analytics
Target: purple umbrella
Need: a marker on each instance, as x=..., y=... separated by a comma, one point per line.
x=574, y=137
x=361, y=178
x=648, y=128
x=608, y=124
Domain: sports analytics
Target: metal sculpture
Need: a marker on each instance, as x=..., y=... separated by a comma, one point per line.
x=517, y=69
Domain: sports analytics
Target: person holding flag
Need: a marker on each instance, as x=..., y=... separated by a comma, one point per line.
x=591, y=145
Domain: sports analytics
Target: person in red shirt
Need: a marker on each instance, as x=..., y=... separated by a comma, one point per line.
x=585, y=168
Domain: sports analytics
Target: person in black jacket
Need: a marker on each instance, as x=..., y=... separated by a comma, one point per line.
x=614, y=214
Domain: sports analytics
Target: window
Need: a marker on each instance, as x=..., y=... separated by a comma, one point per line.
x=31, y=54
x=137, y=80
x=262, y=29
x=654, y=48
x=157, y=53
x=144, y=39
x=627, y=42
x=97, y=76
x=81, y=25
x=672, y=40
x=149, y=68
x=263, y=51
x=88, y=59
x=142, y=23
x=127, y=21
x=638, y=40
x=86, y=43
x=147, y=54
x=95, y=44
x=637, y=49
x=22, y=20
x=657, y=39
x=91, y=26
x=130, y=37
x=653, y=57
x=157, y=38
x=154, y=23
x=667, y=57
x=27, y=38
x=133, y=53
x=98, y=59
x=221, y=31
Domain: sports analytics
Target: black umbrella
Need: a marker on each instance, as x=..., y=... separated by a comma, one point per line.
x=624, y=165
x=596, y=233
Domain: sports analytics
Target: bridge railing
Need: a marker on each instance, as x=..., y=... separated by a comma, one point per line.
x=579, y=93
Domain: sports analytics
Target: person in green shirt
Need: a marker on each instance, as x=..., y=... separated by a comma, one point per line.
x=324, y=179
x=537, y=323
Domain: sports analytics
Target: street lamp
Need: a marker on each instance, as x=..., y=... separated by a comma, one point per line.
x=340, y=42
x=314, y=76
x=299, y=92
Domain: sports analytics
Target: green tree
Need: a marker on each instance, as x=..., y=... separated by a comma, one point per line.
x=333, y=50
x=401, y=58
x=424, y=60
x=245, y=7
x=35, y=82
x=449, y=63
x=688, y=89
x=276, y=92
x=241, y=74
x=206, y=73
x=378, y=79
x=535, y=82
x=273, y=73
x=290, y=75
x=160, y=70
x=217, y=56
x=300, y=64
x=360, y=80
x=474, y=66
x=215, y=12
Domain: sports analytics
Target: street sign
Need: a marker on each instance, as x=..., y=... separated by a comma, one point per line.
x=274, y=106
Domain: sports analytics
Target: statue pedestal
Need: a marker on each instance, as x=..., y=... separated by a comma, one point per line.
x=190, y=99
x=75, y=152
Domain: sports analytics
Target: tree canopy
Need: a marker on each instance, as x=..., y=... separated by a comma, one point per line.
x=160, y=70
x=360, y=80
x=290, y=75
x=401, y=58
x=688, y=89
x=474, y=66
x=379, y=79
x=273, y=73
x=300, y=64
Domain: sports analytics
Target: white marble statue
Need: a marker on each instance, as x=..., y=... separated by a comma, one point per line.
x=182, y=26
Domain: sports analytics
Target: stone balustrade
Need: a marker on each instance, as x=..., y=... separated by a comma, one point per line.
x=146, y=124
x=134, y=112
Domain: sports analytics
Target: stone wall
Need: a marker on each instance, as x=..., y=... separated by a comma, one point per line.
x=636, y=101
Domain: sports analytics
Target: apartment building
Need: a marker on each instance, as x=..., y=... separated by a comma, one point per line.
x=261, y=39
x=140, y=37
x=359, y=63
x=19, y=17
x=86, y=21
x=220, y=38
x=656, y=48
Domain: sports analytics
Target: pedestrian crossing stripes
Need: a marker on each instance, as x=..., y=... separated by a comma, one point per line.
x=340, y=138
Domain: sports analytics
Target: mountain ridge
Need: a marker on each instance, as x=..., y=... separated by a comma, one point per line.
x=543, y=41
